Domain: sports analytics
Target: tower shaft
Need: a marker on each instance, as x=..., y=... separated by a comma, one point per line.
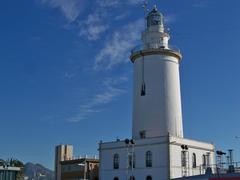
x=156, y=92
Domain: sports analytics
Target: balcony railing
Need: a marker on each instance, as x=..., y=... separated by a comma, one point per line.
x=155, y=47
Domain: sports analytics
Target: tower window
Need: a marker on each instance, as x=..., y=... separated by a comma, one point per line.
x=194, y=160
x=149, y=178
x=148, y=159
x=132, y=178
x=143, y=90
x=116, y=161
x=142, y=134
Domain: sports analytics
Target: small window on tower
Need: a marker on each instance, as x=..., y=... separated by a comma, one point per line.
x=149, y=178
x=142, y=134
x=143, y=90
x=132, y=178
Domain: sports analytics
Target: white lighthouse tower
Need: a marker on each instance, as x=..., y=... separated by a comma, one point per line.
x=156, y=93
x=157, y=149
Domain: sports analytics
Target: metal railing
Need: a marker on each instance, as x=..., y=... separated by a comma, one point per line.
x=155, y=47
x=222, y=168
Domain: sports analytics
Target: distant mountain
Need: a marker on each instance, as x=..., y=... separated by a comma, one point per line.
x=37, y=172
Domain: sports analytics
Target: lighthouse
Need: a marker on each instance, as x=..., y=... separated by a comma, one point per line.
x=157, y=149
x=156, y=84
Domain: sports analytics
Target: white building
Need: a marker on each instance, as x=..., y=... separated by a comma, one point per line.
x=157, y=149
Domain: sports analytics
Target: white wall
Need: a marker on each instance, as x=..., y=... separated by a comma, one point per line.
x=199, y=148
x=160, y=151
x=158, y=171
x=159, y=111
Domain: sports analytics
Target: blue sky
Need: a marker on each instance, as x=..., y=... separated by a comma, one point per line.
x=65, y=76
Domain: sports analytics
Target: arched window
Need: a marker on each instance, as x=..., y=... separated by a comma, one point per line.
x=148, y=159
x=115, y=178
x=204, y=161
x=116, y=161
x=194, y=161
x=131, y=160
x=149, y=178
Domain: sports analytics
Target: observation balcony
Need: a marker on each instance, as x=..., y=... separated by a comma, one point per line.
x=152, y=49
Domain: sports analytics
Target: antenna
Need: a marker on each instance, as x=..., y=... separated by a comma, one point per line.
x=145, y=8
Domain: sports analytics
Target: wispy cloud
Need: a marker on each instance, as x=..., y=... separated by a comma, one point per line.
x=170, y=18
x=111, y=91
x=117, y=49
x=69, y=8
x=69, y=75
x=121, y=16
x=135, y=1
x=93, y=26
x=108, y=3
x=116, y=3
x=200, y=4
x=98, y=21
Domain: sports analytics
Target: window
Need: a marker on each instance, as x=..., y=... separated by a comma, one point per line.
x=148, y=159
x=116, y=161
x=184, y=158
x=131, y=160
x=115, y=178
x=208, y=159
x=149, y=178
x=194, y=161
x=204, y=160
x=142, y=134
x=132, y=178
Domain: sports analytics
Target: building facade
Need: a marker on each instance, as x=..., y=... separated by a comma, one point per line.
x=157, y=149
x=62, y=153
x=79, y=169
x=9, y=173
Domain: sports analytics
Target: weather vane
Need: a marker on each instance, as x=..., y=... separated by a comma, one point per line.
x=145, y=7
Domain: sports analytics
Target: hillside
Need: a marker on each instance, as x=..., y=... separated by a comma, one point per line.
x=37, y=172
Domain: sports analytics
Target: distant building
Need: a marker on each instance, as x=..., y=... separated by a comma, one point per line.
x=62, y=153
x=69, y=168
x=77, y=169
x=9, y=173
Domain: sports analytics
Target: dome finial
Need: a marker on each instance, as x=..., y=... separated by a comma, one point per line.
x=155, y=7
